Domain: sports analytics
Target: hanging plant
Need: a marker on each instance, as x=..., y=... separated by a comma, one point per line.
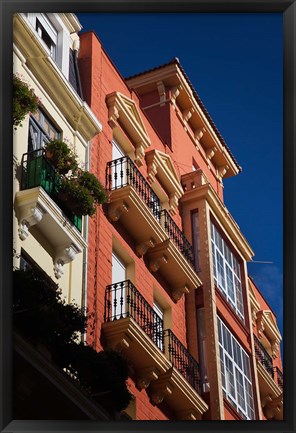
x=82, y=193
x=61, y=156
x=24, y=100
x=88, y=180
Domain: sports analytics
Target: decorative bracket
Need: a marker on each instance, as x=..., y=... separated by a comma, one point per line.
x=143, y=247
x=222, y=170
x=145, y=376
x=159, y=393
x=62, y=256
x=157, y=261
x=198, y=133
x=29, y=218
x=211, y=152
x=161, y=92
x=177, y=293
x=187, y=114
x=116, y=209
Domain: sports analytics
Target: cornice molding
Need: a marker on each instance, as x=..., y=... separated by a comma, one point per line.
x=123, y=112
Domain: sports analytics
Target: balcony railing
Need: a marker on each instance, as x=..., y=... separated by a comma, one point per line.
x=263, y=357
x=122, y=172
x=38, y=171
x=278, y=377
x=182, y=360
x=124, y=300
x=177, y=236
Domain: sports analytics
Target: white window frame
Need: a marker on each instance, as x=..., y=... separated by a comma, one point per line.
x=227, y=274
x=60, y=35
x=236, y=379
x=37, y=134
x=158, y=328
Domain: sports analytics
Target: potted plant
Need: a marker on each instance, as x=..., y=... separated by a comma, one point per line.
x=88, y=180
x=81, y=193
x=24, y=100
x=61, y=156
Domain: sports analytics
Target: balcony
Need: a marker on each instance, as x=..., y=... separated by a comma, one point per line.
x=278, y=377
x=133, y=200
x=163, y=365
x=263, y=357
x=37, y=204
x=270, y=384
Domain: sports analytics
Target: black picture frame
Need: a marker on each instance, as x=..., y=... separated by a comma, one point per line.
x=288, y=10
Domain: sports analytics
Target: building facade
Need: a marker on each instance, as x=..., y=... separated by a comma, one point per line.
x=46, y=237
x=162, y=267
x=167, y=264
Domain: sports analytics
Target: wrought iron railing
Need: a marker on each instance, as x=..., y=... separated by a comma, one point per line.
x=38, y=171
x=278, y=377
x=182, y=360
x=177, y=236
x=263, y=357
x=124, y=300
x=122, y=172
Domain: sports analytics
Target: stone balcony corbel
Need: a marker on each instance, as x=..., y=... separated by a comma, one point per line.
x=116, y=209
x=28, y=217
x=143, y=247
x=177, y=293
x=273, y=407
x=145, y=376
x=35, y=208
x=157, y=258
x=63, y=255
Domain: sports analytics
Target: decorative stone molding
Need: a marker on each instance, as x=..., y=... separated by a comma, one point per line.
x=123, y=113
x=211, y=152
x=143, y=247
x=199, y=132
x=272, y=406
x=177, y=293
x=267, y=325
x=175, y=92
x=188, y=415
x=275, y=347
x=161, y=92
x=187, y=114
x=156, y=261
x=29, y=216
x=160, y=166
x=222, y=170
x=116, y=209
x=63, y=255
x=145, y=376
x=158, y=393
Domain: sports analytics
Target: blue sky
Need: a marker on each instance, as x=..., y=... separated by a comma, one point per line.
x=234, y=61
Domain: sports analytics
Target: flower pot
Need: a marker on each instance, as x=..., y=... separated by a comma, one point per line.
x=70, y=203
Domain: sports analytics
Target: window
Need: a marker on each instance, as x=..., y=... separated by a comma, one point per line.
x=118, y=294
x=236, y=373
x=158, y=325
x=195, y=239
x=55, y=36
x=227, y=275
x=41, y=131
x=47, y=33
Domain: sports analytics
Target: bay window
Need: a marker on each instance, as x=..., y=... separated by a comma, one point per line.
x=227, y=274
x=236, y=373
